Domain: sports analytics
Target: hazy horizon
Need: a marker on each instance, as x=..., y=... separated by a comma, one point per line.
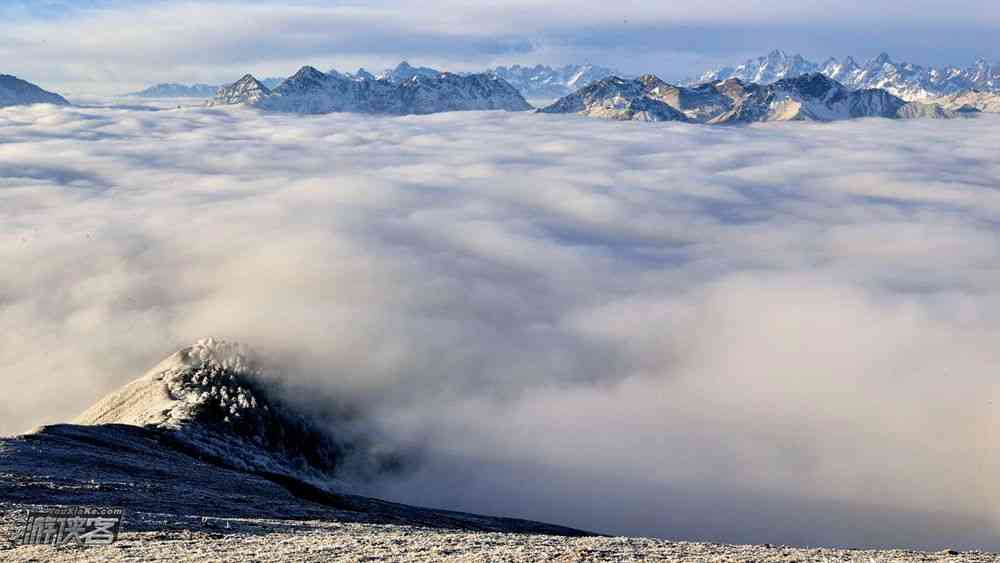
x=105, y=47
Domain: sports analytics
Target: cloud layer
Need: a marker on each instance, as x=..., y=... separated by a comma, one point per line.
x=779, y=334
x=110, y=47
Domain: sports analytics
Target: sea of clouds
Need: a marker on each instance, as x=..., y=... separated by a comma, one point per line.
x=783, y=333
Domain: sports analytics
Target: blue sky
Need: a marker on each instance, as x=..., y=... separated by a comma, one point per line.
x=107, y=45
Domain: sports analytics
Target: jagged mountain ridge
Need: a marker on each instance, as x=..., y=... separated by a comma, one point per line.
x=16, y=92
x=539, y=81
x=402, y=72
x=619, y=99
x=542, y=81
x=908, y=81
x=310, y=91
x=812, y=97
x=982, y=101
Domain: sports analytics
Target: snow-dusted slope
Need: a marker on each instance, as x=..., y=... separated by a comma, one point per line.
x=246, y=90
x=812, y=97
x=17, y=92
x=617, y=98
x=310, y=91
x=982, y=101
x=213, y=398
x=401, y=73
x=775, y=66
x=908, y=81
x=541, y=81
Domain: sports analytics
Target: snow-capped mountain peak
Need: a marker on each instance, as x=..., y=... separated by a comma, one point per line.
x=405, y=71
x=310, y=91
x=770, y=68
x=215, y=398
x=620, y=99
x=246, y=90
x=363, y=74
x=542, y=81
x=880, y=61
x=308, y=76
x=909, y=81
x=809, y=97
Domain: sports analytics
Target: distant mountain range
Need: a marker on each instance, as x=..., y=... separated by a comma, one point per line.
x=537, y=81
x=908, y=81
x=787, y=88
x=546, y=82
x=810, y=97
x=15, y=92
x=310, y=91
x=175, y=90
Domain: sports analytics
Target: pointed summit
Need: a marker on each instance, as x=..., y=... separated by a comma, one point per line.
x=405, y=71
x=246, y=90
x=215, y=398
x=777, y=55
x=308, y=73
x=880, y=61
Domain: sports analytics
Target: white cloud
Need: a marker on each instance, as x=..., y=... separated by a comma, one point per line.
x=780, y=333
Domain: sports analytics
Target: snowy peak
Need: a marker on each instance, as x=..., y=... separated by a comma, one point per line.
x=908, y=81
x=246, y=90
x=404, y=71
x=620, y=99
x=542, y=81
x=879, y=61
x=16, y=92
x=809, y=97
x=310, y=91
x=214, y=398
x=307, y=77
x=814, y=85
x=363, y=74
x=774, y=66
x=172, y=394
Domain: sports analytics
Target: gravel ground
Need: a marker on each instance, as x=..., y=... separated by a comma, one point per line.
x=250, y=540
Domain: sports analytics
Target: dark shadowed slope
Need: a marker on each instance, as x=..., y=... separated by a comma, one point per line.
x=17, y=92
x=203, y=434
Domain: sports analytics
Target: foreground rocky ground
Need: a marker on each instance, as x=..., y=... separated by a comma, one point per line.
x=177, y=539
